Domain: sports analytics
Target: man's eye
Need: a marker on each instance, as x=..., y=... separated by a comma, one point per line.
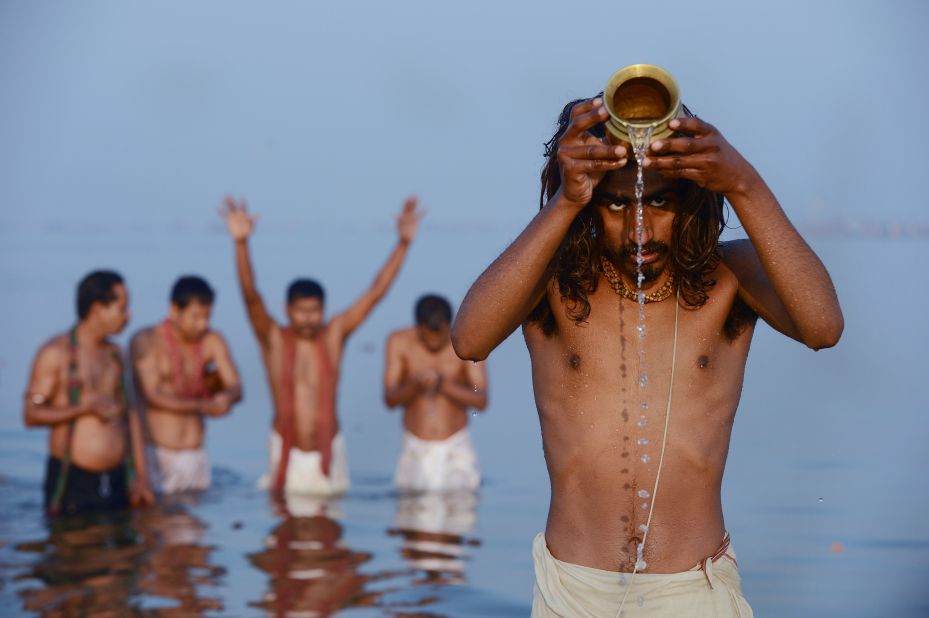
x=616, y=206
x=658, y=202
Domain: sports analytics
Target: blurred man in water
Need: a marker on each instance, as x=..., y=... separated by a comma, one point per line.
x=303, y=358
x=184, y=375
x=436, y=388
x=609, y=427
x=76, y=389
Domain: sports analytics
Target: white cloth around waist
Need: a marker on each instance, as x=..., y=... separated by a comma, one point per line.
x=569, y=590
x=305, y=469
x=176, y=470
x=437, y=465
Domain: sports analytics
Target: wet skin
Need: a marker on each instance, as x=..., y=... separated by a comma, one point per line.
x=435, y=387
x=175, y=420
x=306, y=319
x=585, y=376
x=104, y=430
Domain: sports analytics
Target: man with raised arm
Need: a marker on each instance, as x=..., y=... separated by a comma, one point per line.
x=570, y=280
x=435, y=388
x=184, y=374
x=302, y=361
x=76, y=389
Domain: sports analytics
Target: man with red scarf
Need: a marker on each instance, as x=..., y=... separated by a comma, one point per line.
x=302, y=361
x=184, y=374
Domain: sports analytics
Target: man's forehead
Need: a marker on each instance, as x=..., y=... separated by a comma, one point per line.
x=306, y=302
x=622, y=182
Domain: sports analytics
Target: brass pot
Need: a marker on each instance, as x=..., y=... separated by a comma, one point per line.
x=640, y=96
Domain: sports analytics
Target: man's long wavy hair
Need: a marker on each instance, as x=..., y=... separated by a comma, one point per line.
x=693, y=251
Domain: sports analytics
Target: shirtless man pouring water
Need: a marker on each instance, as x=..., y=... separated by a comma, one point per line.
x=569, y=280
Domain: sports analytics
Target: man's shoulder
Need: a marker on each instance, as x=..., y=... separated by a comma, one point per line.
x=739, y=259
x=402, y=335
x=214, y=339
x=55, y=348
x=143, y=340
x=736, y=251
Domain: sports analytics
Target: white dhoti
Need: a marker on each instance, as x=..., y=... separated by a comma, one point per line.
x=437, y=465
x=305, y=469
x=710, y=589
x=176, y=470
x=453, y=513
x=433, y=526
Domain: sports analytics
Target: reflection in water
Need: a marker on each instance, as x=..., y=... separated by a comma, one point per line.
x=311, y=572
x=433, y=526
x=102, y=565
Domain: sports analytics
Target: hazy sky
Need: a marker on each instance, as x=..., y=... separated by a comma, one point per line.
x=117, y=112
x=122, y=124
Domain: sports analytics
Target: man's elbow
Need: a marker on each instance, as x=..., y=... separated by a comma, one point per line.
x=828, y=336
x=29, y=420
x=466, y=346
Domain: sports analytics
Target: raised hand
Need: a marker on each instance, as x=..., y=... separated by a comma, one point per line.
x=583, y=158
x=408, y=219
x=238, y=220
x=702, y=155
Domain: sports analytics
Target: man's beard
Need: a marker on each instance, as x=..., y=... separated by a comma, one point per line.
x=625, y=260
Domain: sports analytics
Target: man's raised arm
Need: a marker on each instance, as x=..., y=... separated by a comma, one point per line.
x=780, y=277
x=407, y=223
x=240, y=225
x=504, y=295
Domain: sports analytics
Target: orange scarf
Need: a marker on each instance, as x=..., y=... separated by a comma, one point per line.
x=325, y=404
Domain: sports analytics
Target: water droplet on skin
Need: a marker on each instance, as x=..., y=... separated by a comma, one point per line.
x=640, y=565
x=644, y=405
x=643, y=493
x=643, y=380
x=645, y=458
x=643, y=422
x=644, y=506
x=643, y=528
x=643, y=441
